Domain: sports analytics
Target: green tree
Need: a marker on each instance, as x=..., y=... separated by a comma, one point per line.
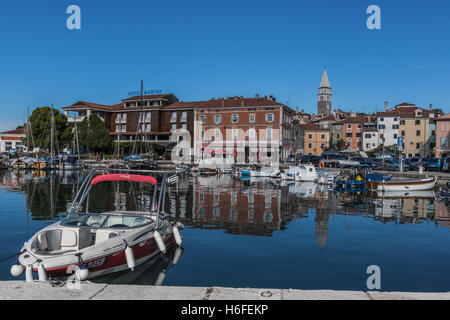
x=40, y=121
x=93, y=135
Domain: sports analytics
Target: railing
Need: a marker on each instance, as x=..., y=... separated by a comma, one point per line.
x=77, y=119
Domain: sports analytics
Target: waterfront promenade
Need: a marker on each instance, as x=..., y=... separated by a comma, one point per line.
x=21, y=290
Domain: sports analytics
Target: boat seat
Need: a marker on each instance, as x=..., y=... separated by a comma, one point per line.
x=68, y=240
x=103, y=235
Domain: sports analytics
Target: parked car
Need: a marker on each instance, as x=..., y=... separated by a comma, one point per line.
x=413, y=163
x=311, y=159
x=338, y=160
x=377, y=163
x=290, y=159
x=446, y=164
x=434, y=164
x=393, y=164
x=362, y=160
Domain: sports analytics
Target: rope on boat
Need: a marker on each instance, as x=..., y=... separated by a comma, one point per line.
x=10, y=257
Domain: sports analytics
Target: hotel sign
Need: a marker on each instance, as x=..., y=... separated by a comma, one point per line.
x=145, y=92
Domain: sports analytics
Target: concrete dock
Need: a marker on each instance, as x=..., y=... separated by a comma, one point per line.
x=21, y=290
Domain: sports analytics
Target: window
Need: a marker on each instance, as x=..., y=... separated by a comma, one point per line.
x=349, y=135
x=184, y=126
x=381, y=126
x=349, y=126
x=252, y=117
x=395, y=136
x=367, y=136
x=217, y=118
x=403, y=133
x=202, y=119
x=234, y=132
x=234, y=118
x=173, y=117
x=417, y=122
x=202, y=134
x=433, y=133
x=217, y=133
x=309, y=136
x=358, y=135
x=395, y=126
x=173, y=127
x=418, y=145
x=402, y=122
x=381, y=119
x=395, y=119
x=310, y=145
x=418, y=133
x=184, y=116
x=322, y=136
x=252, y=133
x=269, y=133
x=444, y=142
x=269, y=117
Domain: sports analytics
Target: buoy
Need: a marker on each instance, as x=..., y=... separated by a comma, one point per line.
x=159, y=241
x=176, y=234
x=16, y=270
x=130, y=257
x=321, y=165
x=81, y=273
x=29, y=273
x=177, y=255
x=161, y=277
x=41, y=272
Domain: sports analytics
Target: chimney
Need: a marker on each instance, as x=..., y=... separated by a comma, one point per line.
x=257, y=96
x=296, y=109
x=431, y=106
x=242, y=102
x=223, y=103
x=386, y=103
x=265, y=97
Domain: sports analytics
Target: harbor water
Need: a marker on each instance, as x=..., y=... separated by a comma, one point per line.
x=254, y=233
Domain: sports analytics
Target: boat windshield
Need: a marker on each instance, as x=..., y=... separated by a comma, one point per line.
x=104, y=221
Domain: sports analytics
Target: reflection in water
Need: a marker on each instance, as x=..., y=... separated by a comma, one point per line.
x=263, y=209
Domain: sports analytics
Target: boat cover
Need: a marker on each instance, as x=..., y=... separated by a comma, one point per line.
x=123, y=177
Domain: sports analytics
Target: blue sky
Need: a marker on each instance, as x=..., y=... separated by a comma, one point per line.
x=200, y=49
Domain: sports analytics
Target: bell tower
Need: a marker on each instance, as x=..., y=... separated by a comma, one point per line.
x=324, y=96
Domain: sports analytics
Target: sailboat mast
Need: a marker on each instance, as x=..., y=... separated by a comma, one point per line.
x=28, y=129
x=52, y=129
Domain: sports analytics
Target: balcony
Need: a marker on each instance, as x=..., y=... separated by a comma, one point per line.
x=76, y=119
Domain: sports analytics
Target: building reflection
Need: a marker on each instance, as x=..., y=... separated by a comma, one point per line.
x=253, y=207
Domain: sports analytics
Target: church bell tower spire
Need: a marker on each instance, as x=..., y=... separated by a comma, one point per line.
x=324, y=96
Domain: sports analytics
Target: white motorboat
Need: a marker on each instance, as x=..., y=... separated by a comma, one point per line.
x=403, y=185
x=307, y=173
x=94, y=244
x=326, y=177
x=290, y=173
x=264, y=172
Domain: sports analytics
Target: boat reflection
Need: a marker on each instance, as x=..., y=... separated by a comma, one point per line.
x=152, y=272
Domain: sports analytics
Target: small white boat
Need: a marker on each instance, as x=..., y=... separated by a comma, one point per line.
x=404, y=185
x=307, y=173
x=94, y=244
x=326, y=177
x=265, y=172
x=290, y=173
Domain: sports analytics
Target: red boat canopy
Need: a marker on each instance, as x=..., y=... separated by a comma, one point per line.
x=124, y=177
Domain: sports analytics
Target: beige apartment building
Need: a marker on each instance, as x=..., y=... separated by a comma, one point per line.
x=414, y=128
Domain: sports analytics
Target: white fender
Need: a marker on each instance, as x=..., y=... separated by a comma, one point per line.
x=29, y=273
x=161, y=276
x=41, y=273
x=16, y=270
x=81, y=273
x=176, y=234
x=177, y=255
x=159, y=241
x=130, y=257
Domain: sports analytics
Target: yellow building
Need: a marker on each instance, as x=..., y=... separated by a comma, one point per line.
x=414, y=128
